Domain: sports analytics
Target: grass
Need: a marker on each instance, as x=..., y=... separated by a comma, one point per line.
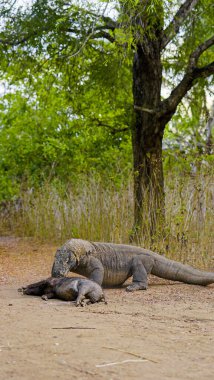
x=106, y=214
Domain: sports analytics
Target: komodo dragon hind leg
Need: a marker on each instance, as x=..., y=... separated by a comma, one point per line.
x=140, y=269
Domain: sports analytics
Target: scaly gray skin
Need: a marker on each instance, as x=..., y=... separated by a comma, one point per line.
x=68, y=289
x=112, y=264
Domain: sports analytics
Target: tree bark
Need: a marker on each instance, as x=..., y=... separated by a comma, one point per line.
x=147, y=135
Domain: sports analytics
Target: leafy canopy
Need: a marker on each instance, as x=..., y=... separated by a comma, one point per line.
x=67, y=67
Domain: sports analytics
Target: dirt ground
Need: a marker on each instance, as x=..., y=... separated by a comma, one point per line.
x=166, y=332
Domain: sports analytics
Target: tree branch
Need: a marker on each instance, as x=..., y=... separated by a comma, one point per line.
x=204, y=72
x=113, y=130
x=104, y=34
x=200, y=49
x=173, y=28
x=23, y=39
x=109, y=23
x=169, y=105
x=100, y=33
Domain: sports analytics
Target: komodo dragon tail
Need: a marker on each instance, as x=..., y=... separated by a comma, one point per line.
x=175, y=271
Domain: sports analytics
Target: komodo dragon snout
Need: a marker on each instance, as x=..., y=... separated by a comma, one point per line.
x=63, y=262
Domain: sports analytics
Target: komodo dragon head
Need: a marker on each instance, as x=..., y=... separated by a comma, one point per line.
x=65, y=259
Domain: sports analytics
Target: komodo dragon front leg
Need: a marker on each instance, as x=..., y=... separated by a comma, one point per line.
x=92, y=268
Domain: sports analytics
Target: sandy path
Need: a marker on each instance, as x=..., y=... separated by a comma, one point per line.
x=166, y=332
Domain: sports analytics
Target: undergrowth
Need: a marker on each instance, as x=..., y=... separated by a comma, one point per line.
x=106, y=214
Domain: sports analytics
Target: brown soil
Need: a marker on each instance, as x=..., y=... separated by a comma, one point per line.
x=166, y=332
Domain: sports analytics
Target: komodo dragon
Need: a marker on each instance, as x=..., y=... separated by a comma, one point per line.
x=112, y=264
x=66, y=288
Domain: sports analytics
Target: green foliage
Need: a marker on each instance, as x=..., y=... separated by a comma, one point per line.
x=50, y=130
x=67, y=113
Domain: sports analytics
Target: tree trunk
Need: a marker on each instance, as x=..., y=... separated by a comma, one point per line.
x=208, y=128
x=147, y=135
x=148, y=186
